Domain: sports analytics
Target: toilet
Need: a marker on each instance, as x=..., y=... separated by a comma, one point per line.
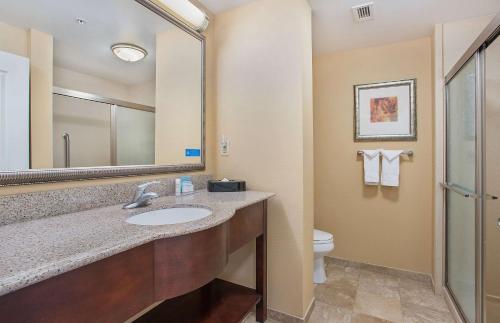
x=323, y=244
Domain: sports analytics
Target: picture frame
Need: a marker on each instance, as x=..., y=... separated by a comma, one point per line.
x=385, y=111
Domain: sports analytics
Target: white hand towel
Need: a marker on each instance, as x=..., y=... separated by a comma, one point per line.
x=371, y=166
x=390, y=167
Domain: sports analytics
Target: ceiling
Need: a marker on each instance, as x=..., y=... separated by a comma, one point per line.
x=395, y=20
x=86, y=48
x=218, y=6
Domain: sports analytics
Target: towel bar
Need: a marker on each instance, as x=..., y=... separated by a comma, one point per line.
x=408, y=153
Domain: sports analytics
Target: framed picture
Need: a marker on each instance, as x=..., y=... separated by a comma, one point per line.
x=385, y=111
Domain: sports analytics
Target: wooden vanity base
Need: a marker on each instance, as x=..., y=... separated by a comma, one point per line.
x=180, y=271
x=218, y=301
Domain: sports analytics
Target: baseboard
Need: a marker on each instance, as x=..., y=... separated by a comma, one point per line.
x=310, y=309
x=287, y=318
x=382, y=269
x=435, y=288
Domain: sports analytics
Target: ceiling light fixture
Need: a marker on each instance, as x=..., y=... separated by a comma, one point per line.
x=188, y=12
x=129, y=52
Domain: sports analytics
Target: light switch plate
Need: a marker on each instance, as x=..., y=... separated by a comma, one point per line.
x=224, y=146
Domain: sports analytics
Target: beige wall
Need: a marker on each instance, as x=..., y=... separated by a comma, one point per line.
x=13, y=40
x=143, y=93
x=378, y=225
x=178, y=96
x=458, y=36
x=264, y=108
x=41, y=49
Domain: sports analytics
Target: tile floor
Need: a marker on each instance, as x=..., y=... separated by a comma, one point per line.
x=355, y=293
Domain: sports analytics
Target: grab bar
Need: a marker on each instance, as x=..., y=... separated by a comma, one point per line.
x=67, y=150
x=459, y=190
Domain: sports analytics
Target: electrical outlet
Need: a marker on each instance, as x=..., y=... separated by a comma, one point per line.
x=224, y=146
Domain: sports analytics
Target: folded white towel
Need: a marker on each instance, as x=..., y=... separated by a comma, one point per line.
x=372, y=166
x=390, y=167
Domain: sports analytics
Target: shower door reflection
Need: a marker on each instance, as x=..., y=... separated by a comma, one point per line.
x=134, y=135
x=90, y=133
x=88, y=125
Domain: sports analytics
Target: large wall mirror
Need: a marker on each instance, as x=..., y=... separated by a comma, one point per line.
x=92, y=88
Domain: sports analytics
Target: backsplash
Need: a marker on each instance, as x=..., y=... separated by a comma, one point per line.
x=30, y=206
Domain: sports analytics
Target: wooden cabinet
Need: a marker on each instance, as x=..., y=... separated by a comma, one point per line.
x=105, y=291
x=185, y=263
x=179, y=271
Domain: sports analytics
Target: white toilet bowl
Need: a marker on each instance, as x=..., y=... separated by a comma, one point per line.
x=323, y=244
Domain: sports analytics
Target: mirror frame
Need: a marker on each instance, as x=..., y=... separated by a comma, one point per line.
x=36, y=176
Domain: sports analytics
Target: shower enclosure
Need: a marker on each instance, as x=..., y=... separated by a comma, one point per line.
x=90, y=131
x=472, y=186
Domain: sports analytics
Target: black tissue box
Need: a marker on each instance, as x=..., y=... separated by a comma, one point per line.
x=227, y=186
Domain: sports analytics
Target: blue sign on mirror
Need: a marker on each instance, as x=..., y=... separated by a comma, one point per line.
x=193, y=152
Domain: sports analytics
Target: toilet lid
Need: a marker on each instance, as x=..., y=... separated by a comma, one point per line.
x=322, y=236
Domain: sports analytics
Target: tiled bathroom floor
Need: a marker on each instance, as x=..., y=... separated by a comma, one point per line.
x=356, y=293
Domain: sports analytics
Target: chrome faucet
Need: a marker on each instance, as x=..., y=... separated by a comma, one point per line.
x=141, y=198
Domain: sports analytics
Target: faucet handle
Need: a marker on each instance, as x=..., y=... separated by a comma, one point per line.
x=145, y=185
x=141, y=188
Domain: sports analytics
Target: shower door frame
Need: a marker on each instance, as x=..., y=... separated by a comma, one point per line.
x=113, y=105
x=477, y=50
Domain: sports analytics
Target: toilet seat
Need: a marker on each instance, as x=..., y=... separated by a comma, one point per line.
x=322, y=237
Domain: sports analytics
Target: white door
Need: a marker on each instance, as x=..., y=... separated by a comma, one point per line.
x=14, y=112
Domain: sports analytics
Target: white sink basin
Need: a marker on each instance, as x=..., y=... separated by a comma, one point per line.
x=172, y=215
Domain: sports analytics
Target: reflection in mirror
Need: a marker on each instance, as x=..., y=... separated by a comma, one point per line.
x=98, y=92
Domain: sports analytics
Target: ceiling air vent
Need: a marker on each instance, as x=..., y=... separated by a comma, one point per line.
x=363, y=12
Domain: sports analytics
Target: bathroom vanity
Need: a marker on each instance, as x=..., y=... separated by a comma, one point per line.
x=93, y=266
x=72, y=256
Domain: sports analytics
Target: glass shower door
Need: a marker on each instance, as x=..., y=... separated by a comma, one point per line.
x=133, y=133
x=461, y=190
x=81, y=132
x=492, y=185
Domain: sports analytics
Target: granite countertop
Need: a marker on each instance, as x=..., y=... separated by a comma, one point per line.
x=35, y=250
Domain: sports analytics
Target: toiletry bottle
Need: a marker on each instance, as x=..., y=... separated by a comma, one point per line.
x=186, y=184
x=178, y=187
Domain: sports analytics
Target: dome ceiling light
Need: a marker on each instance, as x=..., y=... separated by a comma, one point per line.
x=129, y=52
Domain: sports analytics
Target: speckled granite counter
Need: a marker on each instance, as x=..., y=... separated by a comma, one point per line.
x=35, y=250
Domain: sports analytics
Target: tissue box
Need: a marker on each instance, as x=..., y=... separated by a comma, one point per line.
x=226, y=186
